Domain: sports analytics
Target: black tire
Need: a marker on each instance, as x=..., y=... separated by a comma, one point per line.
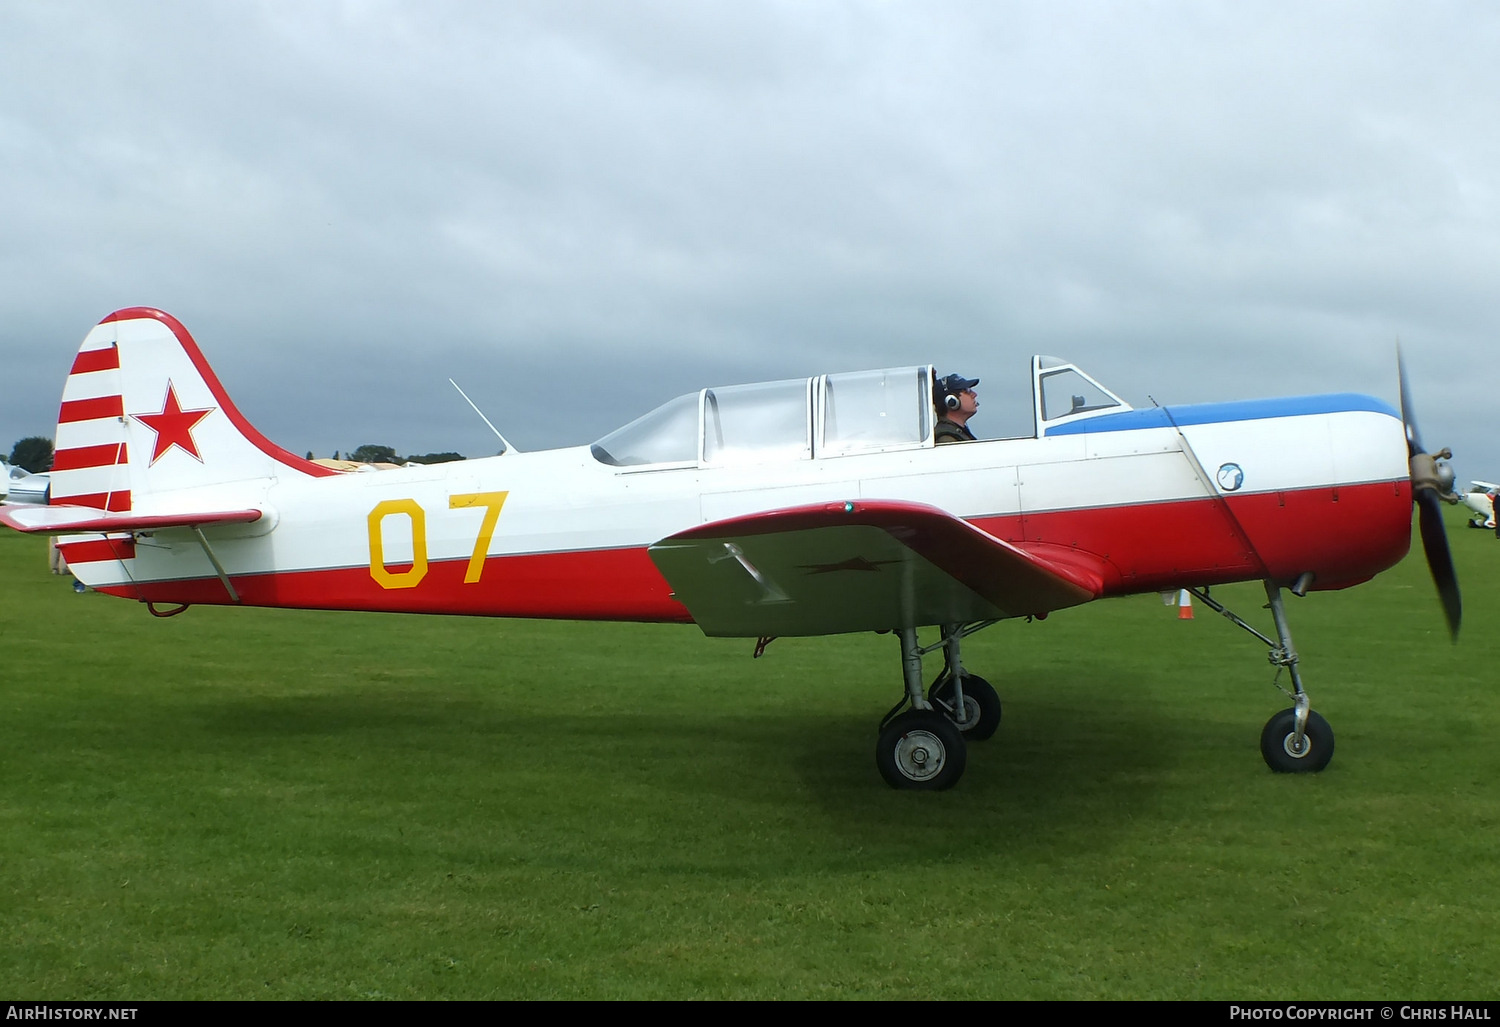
x=981, y=706
x=1276, y=743
x=921, y=751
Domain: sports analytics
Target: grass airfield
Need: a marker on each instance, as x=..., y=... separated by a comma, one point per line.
x=262, y=803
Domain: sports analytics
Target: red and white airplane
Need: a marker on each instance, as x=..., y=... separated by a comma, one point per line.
x=1481, y=500
x=802, y=507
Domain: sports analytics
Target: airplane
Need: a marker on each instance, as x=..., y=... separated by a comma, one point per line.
x=18, y=485
x=791, y=508
x=1481, y=499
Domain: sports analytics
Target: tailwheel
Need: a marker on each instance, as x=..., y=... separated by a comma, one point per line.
x=921, y=750
x=1285, y=754
x=981, y=711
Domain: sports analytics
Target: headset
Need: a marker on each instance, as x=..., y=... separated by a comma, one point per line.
x=952, y=398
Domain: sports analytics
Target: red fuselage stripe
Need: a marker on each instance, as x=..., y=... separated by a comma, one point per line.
x=606, y=584
x=1344, y=535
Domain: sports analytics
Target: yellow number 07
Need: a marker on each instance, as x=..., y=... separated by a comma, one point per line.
x=491, y=501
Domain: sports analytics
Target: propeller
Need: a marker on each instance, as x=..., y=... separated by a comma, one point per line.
x=1431, y=486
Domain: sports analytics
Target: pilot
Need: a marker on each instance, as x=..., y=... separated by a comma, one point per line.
x=955, y=401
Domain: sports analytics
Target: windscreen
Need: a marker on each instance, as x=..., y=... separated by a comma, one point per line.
x=1067, y=392
x=667, y=435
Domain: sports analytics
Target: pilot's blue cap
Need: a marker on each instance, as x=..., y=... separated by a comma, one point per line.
x=954, y=384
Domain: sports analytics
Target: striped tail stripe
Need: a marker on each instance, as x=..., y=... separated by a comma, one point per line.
x=84, y=457
x=91, y=409
x=91, y=465
x=107, y=359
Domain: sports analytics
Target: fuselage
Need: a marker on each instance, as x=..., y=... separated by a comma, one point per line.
x=1164, y=497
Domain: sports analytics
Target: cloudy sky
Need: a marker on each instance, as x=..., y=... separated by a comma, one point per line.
x=581, y=209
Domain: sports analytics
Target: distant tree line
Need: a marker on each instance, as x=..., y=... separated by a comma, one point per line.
x=386, y=455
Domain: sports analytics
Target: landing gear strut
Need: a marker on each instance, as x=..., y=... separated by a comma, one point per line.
x=925, y=747
x=1296, y=740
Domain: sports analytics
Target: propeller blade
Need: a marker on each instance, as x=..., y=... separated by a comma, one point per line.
x=1439, y=559
x=1431, y=485
x=1413, y=438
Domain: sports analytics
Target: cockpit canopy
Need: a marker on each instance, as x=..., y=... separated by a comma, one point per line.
x=831, y=415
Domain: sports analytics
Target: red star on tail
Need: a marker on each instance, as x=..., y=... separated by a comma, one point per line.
x=174, y=426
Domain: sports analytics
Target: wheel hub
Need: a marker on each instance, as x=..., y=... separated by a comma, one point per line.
x=965, y=717
x=920, y=755
x=970, y=715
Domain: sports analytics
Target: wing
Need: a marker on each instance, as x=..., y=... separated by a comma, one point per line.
x=59, y=520
x=866, y=566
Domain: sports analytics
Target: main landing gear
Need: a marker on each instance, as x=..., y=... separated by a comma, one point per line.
x=1296, y=740
x=926, y=748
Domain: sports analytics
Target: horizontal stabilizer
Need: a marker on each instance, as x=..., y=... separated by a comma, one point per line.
x=861, y=566
x=61, y=520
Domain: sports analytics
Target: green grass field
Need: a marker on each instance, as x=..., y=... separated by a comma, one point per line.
x=259, y=803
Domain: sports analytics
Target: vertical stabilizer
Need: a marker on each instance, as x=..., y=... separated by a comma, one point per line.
x=143, y=414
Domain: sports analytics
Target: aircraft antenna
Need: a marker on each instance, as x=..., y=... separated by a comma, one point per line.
x=503, y=441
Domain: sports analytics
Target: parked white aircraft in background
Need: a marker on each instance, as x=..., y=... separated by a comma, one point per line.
x=1481, y=499
x=18, y=485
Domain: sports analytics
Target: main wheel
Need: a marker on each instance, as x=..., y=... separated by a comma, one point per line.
x=1278, y=743
x=921, y=750
x=981, y=712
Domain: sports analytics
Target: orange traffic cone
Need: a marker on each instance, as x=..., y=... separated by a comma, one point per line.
x=1184, y=605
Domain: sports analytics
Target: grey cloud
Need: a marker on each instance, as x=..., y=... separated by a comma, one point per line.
x=352, y=202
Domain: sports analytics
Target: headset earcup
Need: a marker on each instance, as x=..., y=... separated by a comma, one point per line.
x=951, y=401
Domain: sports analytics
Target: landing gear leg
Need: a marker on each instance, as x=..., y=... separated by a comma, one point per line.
x=921, y=748
x=968, y=699
x=1296, y=740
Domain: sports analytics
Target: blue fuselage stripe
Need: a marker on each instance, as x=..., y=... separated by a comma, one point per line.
x=1219, y=413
